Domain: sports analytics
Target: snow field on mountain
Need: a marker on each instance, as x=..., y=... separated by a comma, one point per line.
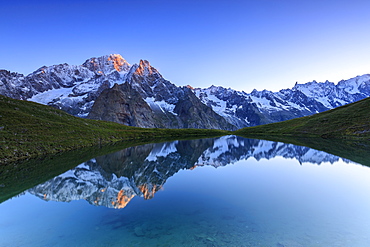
x=161, y=105
x=50, y=95
x=74, y=89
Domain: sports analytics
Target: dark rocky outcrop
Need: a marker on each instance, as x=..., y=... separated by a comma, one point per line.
x=75, y=89
x=123, y=104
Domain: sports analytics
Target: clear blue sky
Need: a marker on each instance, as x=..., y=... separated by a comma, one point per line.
x=262, y=44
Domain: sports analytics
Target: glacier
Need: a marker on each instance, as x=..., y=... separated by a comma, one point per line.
x=76, y=88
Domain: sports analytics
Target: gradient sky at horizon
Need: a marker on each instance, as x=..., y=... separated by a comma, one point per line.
x=245, y=45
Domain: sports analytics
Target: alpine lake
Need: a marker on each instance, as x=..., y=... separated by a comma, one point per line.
x=227, y=191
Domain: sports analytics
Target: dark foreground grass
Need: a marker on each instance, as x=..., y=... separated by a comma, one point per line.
x=28, y=130
x=351, y=121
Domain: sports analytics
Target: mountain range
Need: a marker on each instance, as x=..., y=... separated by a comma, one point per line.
x=112, y=180
x=109, y=88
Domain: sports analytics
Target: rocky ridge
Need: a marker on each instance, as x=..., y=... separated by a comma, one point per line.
x=261, y=107
x=146, y=99
x=68, y=87
x=109, y=88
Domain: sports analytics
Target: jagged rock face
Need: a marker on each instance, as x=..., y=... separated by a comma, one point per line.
x=107, y=64
x=236, y=107
x=72, y=88
x=194, y=114
x=112, y=180
x=261, y=107
x=150, y=84
x=141, y=96
x=57, y=76
x=76, y=88
x=14, y=85
x=123, y=104
x=146, y=99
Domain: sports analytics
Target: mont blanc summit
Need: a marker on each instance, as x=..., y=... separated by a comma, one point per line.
x=109, y=88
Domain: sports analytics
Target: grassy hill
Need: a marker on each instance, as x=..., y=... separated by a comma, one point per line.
x=28, y=129
x=343, y=131
x=351, y=121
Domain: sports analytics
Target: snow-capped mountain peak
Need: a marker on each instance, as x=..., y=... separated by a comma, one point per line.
x=145, y=69
x=76, y=88
x=261, y=107
x=356, y=84
x=107, y=64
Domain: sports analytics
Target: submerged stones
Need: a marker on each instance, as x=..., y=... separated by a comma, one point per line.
x=139, y=231
x=153, y=231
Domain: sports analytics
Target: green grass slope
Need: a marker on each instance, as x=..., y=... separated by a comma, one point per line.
x=28, y=129
x=351, y=121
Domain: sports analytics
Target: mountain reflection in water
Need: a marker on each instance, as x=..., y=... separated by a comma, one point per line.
x=114, y=179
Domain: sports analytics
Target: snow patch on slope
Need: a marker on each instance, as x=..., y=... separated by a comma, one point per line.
x=50, y=95
x=161, y=105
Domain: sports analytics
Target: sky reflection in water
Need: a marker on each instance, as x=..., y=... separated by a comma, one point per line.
x=308, y=198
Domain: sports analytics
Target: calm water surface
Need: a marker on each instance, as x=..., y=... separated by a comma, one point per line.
x=228, y=191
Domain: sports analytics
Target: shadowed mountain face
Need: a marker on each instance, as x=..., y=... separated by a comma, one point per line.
x=114, y=179
x=109, y=88
x=124, y=104
x=146, y=99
